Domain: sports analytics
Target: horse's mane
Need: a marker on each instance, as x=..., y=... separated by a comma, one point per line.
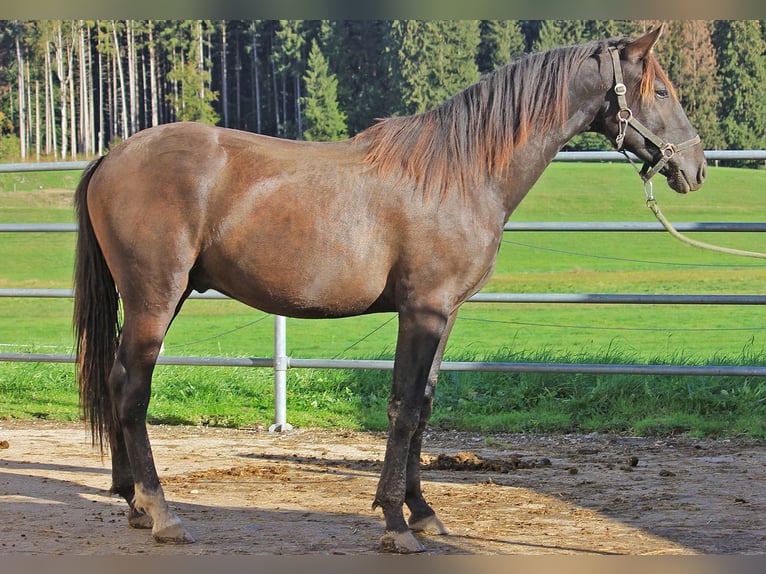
x=475, y=132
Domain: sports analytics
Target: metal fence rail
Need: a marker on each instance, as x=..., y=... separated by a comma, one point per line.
x=281, y=362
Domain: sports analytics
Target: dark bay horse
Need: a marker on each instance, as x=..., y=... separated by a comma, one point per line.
x=405, y=217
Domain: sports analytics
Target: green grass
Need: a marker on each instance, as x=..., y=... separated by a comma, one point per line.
x=527, y=262
x=484, y=402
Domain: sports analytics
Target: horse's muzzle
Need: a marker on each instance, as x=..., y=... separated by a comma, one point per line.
x=685, y=178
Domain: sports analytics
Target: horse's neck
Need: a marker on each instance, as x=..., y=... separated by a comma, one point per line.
x=530, y=160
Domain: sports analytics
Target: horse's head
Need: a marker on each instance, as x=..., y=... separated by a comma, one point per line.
x=642, y=114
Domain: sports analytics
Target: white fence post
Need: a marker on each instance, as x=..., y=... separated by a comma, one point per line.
x=280, y=376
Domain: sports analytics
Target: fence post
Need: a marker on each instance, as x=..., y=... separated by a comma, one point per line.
x=280, y=376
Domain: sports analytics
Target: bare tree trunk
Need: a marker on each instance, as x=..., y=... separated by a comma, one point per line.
x=37, y=120
x=121, y=78
x=72, y=104
x=100, y=138
x=28, y=83
x=114, y=89
x=224, y=77
x=174, y=108
x=130, y=34
x=90, y=91
x=276, y=96
x=201, y=60
x=62, y=76
x=22, y=105
x=84, y=117
x=298, y=112
x=48, y=102
x=284, y=104
x=257, y=82
x=238, y=73
x=153, y=78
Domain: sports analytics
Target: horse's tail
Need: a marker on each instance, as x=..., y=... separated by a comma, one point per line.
x=95, y=320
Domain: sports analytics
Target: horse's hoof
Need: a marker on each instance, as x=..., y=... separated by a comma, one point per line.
x=429, y=525
x=172, y=533
x=400, y=543
x=140, y=520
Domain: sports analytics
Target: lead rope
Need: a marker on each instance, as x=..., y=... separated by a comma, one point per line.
x=651, y=203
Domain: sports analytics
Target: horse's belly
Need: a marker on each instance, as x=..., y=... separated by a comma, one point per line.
x=311, y=289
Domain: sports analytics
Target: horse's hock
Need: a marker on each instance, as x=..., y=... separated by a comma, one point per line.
x=309, y=492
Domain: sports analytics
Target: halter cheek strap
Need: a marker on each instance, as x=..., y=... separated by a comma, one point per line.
x=626, y=118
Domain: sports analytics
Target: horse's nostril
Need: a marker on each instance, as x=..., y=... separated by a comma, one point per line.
x=702, y=173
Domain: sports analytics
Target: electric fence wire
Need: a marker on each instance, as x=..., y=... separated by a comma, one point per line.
x=219, y=335
x=611, y=258
x=610, y=328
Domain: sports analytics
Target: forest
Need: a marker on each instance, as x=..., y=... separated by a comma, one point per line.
x=70, y=89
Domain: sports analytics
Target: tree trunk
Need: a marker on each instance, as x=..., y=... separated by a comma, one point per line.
x=201, y=61
x=257, y=82
x=72, y=104
x=50, y=142
x=100, y=138
x=121, y=79
x=224, y=77
x=28, y=83
x=154, y=99
x=298, y=112
x=91, y=95
x=22, y=105
x=62, y=76
x=276, y=96
x=130, y=35
x=37, y=120
x=238, y=70
x=84, y=92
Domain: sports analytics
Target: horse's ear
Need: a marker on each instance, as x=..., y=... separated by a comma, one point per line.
x=638, y=49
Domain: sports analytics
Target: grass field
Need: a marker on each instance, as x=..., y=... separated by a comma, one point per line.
x=528, y=262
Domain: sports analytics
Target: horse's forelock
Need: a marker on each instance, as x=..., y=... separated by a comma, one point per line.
x=652, y=71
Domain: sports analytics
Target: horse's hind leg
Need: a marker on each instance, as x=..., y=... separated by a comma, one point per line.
x=122, y=473
x=130, y=386
x=422, y=516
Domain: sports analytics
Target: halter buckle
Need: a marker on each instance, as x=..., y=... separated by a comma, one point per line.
x=620, y=89
x=668, y=151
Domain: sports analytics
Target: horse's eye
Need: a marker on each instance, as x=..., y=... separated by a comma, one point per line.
x=661, y=93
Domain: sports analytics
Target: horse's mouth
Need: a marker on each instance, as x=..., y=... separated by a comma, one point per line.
x=680, y=182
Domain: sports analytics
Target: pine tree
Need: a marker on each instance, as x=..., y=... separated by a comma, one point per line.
x=192, y=72
x=742, y=74
x=688, y=55
x=363, y=56
x=324, y=119
x=437, y=59
x=288, y=65
x=501, y=41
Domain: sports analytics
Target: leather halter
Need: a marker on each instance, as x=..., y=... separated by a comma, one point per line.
x=626, y=118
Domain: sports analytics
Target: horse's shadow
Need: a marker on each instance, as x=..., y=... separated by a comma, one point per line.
x=57, y=515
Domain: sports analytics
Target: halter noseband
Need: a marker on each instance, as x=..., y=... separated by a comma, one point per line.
x=626, y=118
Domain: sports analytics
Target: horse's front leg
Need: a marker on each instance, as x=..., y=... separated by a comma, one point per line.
x=422, y=516
x=419, y=334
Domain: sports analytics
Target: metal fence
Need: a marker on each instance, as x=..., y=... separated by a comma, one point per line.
x=281, y=363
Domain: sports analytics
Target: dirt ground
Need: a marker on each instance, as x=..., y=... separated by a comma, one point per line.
x=309, y=491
